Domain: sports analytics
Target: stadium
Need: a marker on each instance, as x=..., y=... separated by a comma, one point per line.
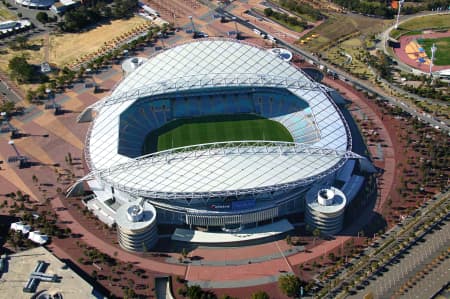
x=217, y=135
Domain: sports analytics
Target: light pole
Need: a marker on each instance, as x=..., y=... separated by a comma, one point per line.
x=400, y=3
x=161, y=38
x=192, y=23
x=174, y=19
x=4, y=120
x=236, y=27
x=7, y=126
x=11, y=142
x=433, y=51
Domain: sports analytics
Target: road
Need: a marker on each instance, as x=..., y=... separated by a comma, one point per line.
x=6, y=89
x=8, y=93
x=343, y=75
x=29, y=14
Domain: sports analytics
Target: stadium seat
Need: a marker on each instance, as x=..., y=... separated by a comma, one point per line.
x=277, y=105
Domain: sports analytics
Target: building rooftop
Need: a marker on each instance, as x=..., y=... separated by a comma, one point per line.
x=133, y=216
x=213, y=64
x=335, y=197
x=21, y=265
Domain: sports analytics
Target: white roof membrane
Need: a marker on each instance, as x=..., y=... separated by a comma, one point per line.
x=210, y=64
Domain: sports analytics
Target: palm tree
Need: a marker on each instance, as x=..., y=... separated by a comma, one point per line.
x=316, y=233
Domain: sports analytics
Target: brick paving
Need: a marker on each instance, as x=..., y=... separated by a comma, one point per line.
x=388, y=162
x=67, y=136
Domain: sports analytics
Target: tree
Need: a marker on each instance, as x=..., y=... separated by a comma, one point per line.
x=260, y=295
x=316, y=232
x=301, y=267
x=19, y=43
x=268, y=12
x=94, y=274
x=331, y=256
x=194, y=292
x=21, y=69
x=7, y=106
x=289, y=284
x=42, y=17
x=288, y=240
x=184, y=253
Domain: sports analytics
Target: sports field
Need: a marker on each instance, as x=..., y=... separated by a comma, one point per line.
x=198, y=130
x=442, y=55
x=417, y=25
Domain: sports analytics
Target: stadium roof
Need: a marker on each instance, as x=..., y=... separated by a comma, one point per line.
x=210, y=64
x=224, y=169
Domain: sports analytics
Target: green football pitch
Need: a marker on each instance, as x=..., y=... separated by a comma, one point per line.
x=442, y=55
x=198, y=130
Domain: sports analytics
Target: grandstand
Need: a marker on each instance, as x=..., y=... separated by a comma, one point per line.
x=222, y=183
x=150, y=114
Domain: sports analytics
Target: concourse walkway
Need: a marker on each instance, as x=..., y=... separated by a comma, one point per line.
x=260, y=232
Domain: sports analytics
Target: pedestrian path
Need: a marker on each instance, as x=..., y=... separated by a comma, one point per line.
x=260, y=232
x=208, y=284
x=199, y=261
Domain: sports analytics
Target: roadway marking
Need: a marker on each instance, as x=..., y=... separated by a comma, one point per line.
x=284, y=257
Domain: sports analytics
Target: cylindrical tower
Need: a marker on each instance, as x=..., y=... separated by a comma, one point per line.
x=325, y=209
x=136, y=226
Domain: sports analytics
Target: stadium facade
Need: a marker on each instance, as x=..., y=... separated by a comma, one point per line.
x=225, y=185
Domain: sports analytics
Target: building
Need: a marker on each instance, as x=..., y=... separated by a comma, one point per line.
x=37, y=4
x=131, y=64
x=136, y=226
x=8, y=28
x=224, y=186
x=62, y=6
x=284, y=54
x=325, y=209
x=38, y=271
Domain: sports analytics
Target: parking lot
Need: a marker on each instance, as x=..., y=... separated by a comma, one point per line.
x=387, y=281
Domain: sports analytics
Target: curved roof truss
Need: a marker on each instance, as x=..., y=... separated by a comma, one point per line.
x=206, y=81
x=272, y=148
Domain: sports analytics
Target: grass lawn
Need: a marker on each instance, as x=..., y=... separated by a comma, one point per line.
x=6, y=14
x=442, y=55
x=418, y=24
x=287, y=25
x=65, y=48
x=198, y=130
x=283, y=23
x=427, y=22
x=338, y=26
x=34, y=55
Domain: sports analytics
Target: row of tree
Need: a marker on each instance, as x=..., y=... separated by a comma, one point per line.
x=377, y=8
x=302, y=8
x=196, y=292
x=44, y=18
x=426, y=5
x=24, y=72
x=284, y=17
x=382, y=63
x=83, y=16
